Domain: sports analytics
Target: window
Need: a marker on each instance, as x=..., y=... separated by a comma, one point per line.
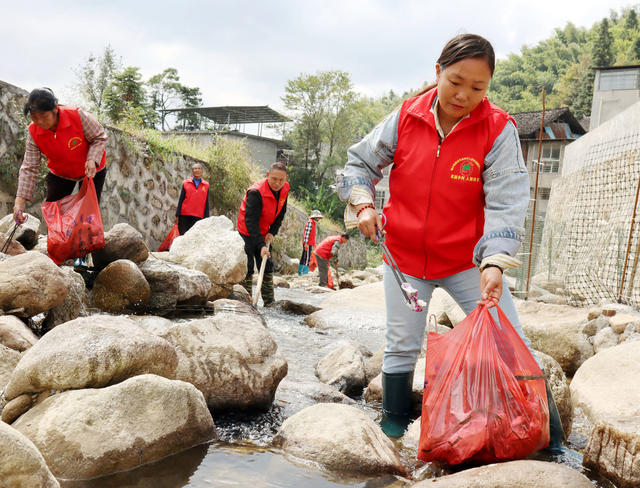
x=380, y=199
x=622, y=79
x=550, y=159
x=544, y=193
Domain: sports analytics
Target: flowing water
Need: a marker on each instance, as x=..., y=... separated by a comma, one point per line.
x=243, y=457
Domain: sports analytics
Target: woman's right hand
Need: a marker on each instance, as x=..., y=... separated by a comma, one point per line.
x=18, y=211
x=369, y=221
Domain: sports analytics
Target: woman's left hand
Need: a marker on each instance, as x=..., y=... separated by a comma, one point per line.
x=490, y=285
x=90, y=169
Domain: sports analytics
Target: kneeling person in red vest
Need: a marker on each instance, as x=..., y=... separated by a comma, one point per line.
x=325, y=252
x=261, y=213
x=74, y=143
x=193, y=204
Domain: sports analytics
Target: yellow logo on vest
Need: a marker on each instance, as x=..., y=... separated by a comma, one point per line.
x=466, y=170
x=74, y=142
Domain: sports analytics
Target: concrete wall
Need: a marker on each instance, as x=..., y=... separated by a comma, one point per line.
x=609, y=103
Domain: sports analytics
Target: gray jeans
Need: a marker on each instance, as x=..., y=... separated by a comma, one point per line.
x=323, y=270
x=405, y=328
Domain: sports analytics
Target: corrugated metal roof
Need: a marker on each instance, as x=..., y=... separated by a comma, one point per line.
x=231, y=115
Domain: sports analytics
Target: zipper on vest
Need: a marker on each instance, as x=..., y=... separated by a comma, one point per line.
x=426, y=218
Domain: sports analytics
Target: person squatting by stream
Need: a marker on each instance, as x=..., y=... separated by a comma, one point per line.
x=74, y=143
x=261, y=212
x=458, y=196
x=327, y=253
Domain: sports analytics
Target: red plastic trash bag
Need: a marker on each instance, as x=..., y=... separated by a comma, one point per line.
x=330, y=280
x=166, y=244
x=74, y=224
x=313, y=264
x=484, y=398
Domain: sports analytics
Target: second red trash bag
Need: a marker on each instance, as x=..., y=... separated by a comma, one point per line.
x=484, y=398
x=166, y=244
x=74, y=224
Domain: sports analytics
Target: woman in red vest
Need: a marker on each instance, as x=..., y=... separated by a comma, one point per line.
x=193, y=204
x=73, y=142
x=327, y=250
x=308, y=241
x=459, y=192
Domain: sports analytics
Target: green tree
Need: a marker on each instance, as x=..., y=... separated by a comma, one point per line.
x=166, y=91
x=322, y=106
x=126, y=100
x=94, y=77
x=602, y=53
x=631, y=20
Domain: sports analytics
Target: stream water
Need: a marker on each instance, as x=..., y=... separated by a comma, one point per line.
x=243, y=457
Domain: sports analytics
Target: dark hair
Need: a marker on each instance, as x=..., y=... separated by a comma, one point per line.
x=463, y=46
x=278, y=166
x=344, y=235
x=40, y=100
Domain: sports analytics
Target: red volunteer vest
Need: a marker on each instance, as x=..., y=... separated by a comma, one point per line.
x=324, y=248
x=435, y=213
x=311, y=241
x=195, y=199
x=66, y=148
x=270, y=207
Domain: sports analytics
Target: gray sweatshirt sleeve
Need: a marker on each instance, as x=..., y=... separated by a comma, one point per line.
x=367, y=158
x=506, y=189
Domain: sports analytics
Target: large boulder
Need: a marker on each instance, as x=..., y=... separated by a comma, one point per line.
x=89, y=433
x=232, y=359
x=344, y=368
x=15, y=334
x=22, y=464
x=74, y=305
x=8, y=360
x=607, y=390
x=556, y=330
x=121, y=287
x=339, y=437
x=215, y=248
x=27, y=233
x=172, y=284
x=31, y=283
x=91, y=352
x=521, y=474
x=14, y=249
x=121, y=242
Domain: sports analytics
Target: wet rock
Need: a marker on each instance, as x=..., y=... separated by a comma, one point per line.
x=74, y=305
x=523, y=474
x=235, y=307
x=89, y=433
x=344, y=368
x=556, y=331
x=299, y=308
x=339, y=437
x=230, y=358
x=121, y=242
x=91, y=352
x=121, y=287
x=15, y=334
x=32, y=283
x=293, y=396
x=606, y=388
x=27, y=233
x=22, y=464
x=613, y=450
x=559, y=389
x=215, y=248
x=172, y=284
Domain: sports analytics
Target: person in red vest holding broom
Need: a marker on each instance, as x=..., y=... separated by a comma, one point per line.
x=74, y=143
x=259, y=219
x=325, y=252
x=193, y=203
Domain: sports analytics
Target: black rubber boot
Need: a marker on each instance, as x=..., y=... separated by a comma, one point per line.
x=396, y=403
x=556, y=432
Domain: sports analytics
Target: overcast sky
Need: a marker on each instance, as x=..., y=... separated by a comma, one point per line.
x=243, y=52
